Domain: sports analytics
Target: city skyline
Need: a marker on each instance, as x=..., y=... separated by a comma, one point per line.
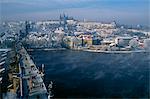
x=130, y=12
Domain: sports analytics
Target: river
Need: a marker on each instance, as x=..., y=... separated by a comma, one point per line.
x=78, y=74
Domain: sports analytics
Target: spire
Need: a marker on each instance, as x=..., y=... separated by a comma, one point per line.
x=64, y=15
x=60, y=17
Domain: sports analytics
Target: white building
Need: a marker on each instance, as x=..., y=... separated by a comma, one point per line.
x=123, y=41
x=147, y=44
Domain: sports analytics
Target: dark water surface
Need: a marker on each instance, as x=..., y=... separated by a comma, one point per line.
x=84, y=74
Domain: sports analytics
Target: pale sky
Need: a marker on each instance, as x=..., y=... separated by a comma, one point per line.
x=123, y=11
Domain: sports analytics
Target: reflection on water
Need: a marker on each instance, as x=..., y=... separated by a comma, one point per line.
x=85, y=74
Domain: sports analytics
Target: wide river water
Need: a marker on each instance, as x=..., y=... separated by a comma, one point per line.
x=80, y=74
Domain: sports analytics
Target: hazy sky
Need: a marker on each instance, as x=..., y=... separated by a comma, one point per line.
x=123, y=11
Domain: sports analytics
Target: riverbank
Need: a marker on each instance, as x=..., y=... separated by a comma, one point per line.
x=100, y=51
x=88, y=50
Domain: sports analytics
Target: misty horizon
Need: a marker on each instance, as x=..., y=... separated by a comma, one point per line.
x=130, y=12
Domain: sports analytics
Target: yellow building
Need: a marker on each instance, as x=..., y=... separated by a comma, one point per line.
x=87, y=39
